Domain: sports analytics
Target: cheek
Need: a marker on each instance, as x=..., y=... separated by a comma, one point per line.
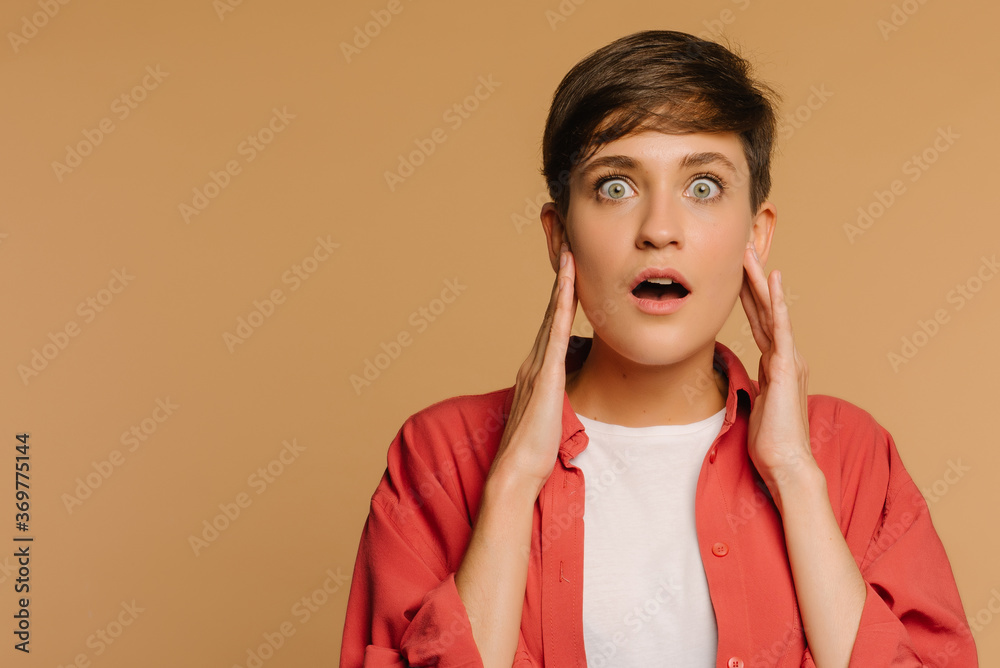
x=594, y=289
x=728, y=276
x=587, y=284
x=734, y=277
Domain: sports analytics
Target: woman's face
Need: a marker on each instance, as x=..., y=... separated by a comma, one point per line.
x=673, y=202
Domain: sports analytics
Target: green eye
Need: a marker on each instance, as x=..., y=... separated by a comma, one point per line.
x=702, y=189
x=613, y=187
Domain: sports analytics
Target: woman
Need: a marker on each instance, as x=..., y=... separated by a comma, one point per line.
x=635, y=499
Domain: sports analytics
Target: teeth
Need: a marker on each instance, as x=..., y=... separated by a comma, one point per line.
x=660, y=281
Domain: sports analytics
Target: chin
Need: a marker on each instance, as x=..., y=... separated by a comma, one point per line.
x=653, y=346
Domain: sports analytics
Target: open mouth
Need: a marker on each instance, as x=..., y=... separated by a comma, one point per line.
x=660, y=289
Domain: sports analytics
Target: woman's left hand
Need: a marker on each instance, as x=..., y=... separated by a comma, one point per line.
x=778, y=432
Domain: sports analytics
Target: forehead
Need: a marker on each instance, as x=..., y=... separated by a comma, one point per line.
x=656, y=151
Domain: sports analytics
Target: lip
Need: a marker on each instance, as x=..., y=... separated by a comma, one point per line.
x=656, y=306
x=656, y=272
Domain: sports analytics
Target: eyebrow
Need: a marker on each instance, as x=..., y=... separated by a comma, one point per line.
x=688, y=161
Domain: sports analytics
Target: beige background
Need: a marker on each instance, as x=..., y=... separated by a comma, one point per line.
x=464, y=214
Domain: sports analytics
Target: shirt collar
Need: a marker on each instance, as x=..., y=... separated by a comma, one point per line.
x=742, y=392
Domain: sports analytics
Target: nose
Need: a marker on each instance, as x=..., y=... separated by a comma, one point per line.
x=661, y=222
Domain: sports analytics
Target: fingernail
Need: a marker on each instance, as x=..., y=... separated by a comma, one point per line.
x=562, y=256
x=753, y=247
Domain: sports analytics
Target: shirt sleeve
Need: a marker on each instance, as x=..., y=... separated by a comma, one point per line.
x=404, y=608
x=402, y=611
x=912, y=615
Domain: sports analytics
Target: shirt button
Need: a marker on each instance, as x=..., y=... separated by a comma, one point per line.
x=721, y=550
x=735, y=662
x=711, y=455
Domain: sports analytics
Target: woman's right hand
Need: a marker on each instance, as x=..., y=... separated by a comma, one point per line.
x=533, y=431
x=492, y=577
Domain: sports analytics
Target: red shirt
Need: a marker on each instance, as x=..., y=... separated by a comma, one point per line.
x=404, y=608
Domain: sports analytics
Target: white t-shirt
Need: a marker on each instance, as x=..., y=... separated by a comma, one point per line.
x=645, y=595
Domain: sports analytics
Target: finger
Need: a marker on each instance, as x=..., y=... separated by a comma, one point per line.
x=541, y=338
x=750, y=263
x=752, y=310
x=783, y=340
x=547, y=375
x=556, y=327
x=758, y=284
x=755, y=314
x=562, y=323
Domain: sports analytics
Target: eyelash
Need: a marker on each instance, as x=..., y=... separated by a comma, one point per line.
x=719, y=181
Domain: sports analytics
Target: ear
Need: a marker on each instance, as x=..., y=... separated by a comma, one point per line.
x=762, y=229
x=555, y=232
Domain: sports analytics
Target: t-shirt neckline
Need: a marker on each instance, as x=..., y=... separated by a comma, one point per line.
x=595, y=426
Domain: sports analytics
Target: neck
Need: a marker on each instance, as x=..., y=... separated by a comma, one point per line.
x=610, y=388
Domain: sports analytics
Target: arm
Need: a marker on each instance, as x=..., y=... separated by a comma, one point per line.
x=879, y=591
x=407, y=606
x=829, y=586
x=403, y=608
x=494, y=571
x=913, y=614
x=901, y=607
x=493, y=574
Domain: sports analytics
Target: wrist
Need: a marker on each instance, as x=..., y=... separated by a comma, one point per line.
x=797, y=484
x=508, y=482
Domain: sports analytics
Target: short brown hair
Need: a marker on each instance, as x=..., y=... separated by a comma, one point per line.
x=658, y=79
